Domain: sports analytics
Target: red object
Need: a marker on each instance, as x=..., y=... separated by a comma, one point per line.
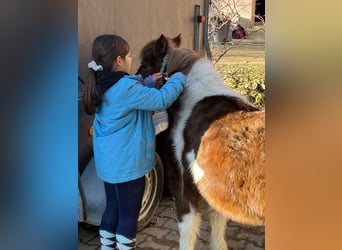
x=200, y=19
x=239, y=33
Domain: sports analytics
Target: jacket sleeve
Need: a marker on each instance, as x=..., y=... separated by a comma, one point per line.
x=145, y=98
x=148, y=82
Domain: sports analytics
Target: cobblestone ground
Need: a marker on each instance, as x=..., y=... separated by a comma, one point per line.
x=162, y=233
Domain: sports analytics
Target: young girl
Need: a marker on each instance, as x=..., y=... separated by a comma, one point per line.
x=124, y=135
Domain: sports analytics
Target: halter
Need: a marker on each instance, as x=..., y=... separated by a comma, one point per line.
x=163, y=66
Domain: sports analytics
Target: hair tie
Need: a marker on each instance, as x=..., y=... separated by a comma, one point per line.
x=92, y=65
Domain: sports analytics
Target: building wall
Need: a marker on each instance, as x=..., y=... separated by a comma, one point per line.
x=224, y=9
x=246, y=9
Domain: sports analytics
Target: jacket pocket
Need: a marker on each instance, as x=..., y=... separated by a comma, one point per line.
x=110, y=153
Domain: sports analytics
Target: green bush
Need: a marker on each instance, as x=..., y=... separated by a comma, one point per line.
x=249, y=80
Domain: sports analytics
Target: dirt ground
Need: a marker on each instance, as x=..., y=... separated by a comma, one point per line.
x=245, y=53
x=250, y=50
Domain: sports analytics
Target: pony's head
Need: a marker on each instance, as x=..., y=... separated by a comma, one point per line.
x=153, y=53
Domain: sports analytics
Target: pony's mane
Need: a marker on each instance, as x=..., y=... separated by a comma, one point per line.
x=202, y=78
x=203, y=81
x=153, y=52
x=181, y=59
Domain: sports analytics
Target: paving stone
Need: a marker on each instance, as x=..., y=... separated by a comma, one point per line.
x=259, y=240
x=163, y=234
x=150, y=243
x=83, y=246
x=169, y=213
x=95, y=241
x=250, y=246
x=173, y=236
x=204, y=235
x=202, y=245
x=236, y=244
x=172, y=224
x=141, y=237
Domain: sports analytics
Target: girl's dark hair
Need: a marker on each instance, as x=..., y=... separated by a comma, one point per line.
x=105, y=50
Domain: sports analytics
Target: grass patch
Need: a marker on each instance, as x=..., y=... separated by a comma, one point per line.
x=248, y=80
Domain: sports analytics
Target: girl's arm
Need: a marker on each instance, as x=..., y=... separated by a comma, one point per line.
x=153, y=81
x=141, y=97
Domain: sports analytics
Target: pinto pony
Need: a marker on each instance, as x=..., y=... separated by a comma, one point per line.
x=153, y=53
x=216, y=152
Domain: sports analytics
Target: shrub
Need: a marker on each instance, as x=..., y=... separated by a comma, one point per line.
x=248, y=80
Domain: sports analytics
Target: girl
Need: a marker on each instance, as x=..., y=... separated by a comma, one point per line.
x=124, y=135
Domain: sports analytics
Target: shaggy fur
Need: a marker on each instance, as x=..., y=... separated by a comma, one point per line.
x=219, y=146
x=217, y=152
x=228, y=161
x=239, y=139
x=153, y=52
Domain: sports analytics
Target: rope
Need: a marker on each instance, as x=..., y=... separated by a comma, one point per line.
x=163, y=66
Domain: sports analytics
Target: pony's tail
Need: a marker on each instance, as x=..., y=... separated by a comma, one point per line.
x=91, y=98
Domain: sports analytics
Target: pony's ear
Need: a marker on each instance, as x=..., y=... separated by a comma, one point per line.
x=177, y=40
x=162, y=44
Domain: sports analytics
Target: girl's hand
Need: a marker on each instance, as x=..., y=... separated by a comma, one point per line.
x=158, y=80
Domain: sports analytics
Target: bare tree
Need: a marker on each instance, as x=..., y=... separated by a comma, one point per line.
x=224, y=17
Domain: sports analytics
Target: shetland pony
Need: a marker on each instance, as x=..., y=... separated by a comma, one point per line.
x=152, y=54
x=216, y=152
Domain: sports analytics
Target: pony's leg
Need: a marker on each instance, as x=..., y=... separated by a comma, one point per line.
x=188, y=229
x=218, y=225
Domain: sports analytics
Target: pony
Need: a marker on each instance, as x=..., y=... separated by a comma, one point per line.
x=213, y=152
x=153, y=53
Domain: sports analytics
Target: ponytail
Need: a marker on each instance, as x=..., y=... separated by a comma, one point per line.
x=106, y=48
x=91, y=98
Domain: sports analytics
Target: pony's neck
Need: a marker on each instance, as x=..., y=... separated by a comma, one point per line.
x=203, y=80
